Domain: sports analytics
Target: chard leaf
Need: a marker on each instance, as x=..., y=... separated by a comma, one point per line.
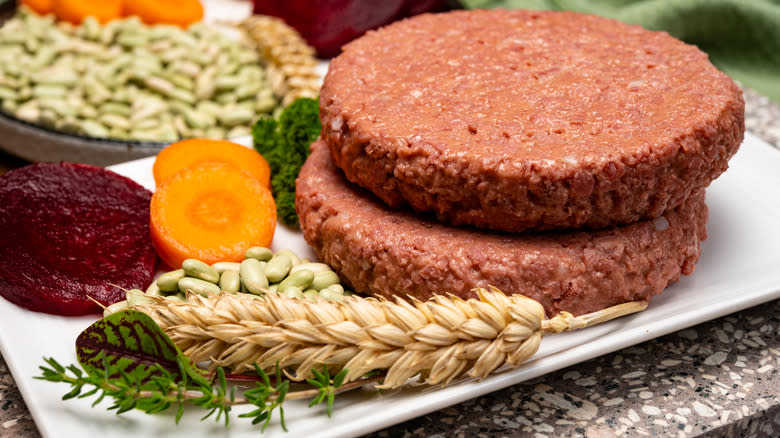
x=131, y=343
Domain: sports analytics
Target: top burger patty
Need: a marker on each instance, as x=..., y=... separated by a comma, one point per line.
x=516, y=120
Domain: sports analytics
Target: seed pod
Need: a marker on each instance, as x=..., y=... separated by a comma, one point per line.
x=116, y=307
x=291, y=254
x=118, y=108
x=160, y=85
x=277, y=268
x=56, y=76
x=260, y=253
x=221, y=267
x=300, y=279
x=169, y=282
x=136, y=297
x=292, y=292
x=215, y=132
x=91, y=28
x=115, y=121
x=153, y=290
x=186, y=68
x=180, y=81
x=94, y=129
x=253, y=276
x=9, y=106
x=335, y=288
x=178, y=296
x=239, y=131
x=44, y=90
x=86, y=111
x=331, y=294
x=209, y=107
x=197, y=269
x=313, y=267
x=182, y=95
x=60, y=107
x=29, y=111
x=198, y=119
x=7, y=93
x=324, y=279
x=230, y=281
x=198, y=286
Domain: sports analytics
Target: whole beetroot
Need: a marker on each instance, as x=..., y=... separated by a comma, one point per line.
x=71, y=232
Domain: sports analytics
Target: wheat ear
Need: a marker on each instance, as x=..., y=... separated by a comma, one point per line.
x=290, y=60
x=437, y=340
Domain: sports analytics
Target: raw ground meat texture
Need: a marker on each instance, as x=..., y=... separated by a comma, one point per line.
x=388, y=252
x=516, y=120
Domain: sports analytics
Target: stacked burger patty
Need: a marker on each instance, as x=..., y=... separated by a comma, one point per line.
x=556, y=155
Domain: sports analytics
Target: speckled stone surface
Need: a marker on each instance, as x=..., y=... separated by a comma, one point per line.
x=717, y=379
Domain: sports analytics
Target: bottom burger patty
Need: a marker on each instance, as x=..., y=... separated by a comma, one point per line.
x=388, y=252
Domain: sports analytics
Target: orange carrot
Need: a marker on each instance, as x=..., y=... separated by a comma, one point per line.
x=179, y=12
x=42, y=7
x=76, y=11
x=187, y=153
x=212, y=212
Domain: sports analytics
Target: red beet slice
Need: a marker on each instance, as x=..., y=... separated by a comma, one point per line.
x=70, y=232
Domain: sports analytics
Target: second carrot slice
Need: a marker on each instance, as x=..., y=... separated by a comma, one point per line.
x=212, y=212
x=191, y=152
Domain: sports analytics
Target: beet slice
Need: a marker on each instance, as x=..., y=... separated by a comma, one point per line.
x=70, y=232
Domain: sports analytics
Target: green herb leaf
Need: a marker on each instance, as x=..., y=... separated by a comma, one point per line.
x=284, y=143
x=132, y=347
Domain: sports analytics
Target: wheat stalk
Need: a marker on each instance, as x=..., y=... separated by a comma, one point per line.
x=437, y=340
x=291, y=62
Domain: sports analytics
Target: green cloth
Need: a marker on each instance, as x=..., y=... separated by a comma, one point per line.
x=741, y=37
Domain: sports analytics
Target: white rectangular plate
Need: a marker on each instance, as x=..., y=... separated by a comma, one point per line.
x=738, y=269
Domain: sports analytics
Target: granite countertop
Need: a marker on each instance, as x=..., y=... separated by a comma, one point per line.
x=719, y=378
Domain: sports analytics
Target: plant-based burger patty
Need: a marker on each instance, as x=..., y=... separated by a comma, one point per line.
x=389, y=252
x=516, y=120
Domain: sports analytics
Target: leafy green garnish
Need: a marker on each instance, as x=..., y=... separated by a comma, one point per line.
x=129, y=359
x=284, y=143
x=326, y=387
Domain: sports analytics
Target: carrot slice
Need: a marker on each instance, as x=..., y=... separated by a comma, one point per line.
x=188, y=153
x=212, y=212
x=76, y=11
x=42, y=7
x=179, y=12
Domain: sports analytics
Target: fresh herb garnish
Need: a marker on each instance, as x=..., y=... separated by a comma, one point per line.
x=284, y=143
x=128, y=358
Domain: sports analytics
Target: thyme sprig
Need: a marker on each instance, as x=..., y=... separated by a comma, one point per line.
x=165, y=390
x=326, y=387
x=126, y=357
